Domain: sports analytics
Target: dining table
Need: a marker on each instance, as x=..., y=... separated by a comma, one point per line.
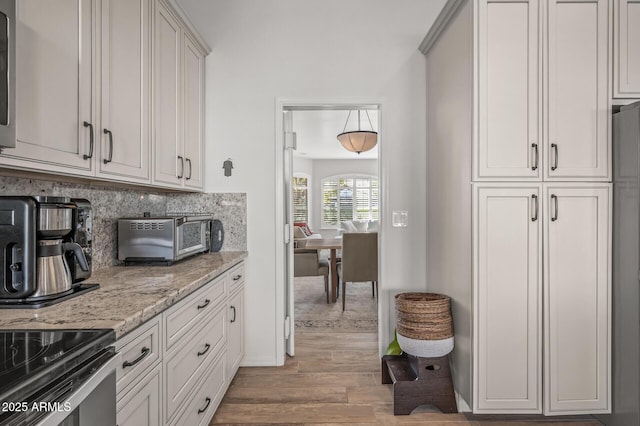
x=332, y=244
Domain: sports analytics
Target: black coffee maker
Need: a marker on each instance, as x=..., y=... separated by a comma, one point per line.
x=45, y=247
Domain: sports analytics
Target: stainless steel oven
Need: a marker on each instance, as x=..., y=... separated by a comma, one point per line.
x=58, y=377
x=7, y=73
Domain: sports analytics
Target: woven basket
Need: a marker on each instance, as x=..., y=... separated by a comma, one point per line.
x=424, y=316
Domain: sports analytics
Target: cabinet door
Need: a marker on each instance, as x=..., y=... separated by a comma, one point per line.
x=141, y=405
x=167, y=156
x=577, y=116
x=577, y=299
x=507, y=293
x=124, y=151
x=509, y=125
x=626, y=53
x=193, y=109
x=235, y=344
x=54, y=80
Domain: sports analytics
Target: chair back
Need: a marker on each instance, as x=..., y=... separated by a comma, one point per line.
x=360, y=256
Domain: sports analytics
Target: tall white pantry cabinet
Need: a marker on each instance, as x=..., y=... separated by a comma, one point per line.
x=519, y=200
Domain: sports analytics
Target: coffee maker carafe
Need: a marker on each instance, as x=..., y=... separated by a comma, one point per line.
x=41, y=259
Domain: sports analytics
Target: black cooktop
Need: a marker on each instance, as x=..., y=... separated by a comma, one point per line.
x=30, y=359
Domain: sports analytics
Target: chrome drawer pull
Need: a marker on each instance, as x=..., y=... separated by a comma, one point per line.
x=554, y=147
x=537, y=158
x=234, y=313
x=144, y=352
x=205, y=304
x=206, y=349
x=535, y=200
x=202, y=410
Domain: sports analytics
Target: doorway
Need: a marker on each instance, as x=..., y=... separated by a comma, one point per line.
x=324, y=186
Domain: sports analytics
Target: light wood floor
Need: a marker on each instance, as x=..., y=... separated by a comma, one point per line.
x=335, y=379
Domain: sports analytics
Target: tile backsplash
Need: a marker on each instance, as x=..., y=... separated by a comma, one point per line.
x=109, y=204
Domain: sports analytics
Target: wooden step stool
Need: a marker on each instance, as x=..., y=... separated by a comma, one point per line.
x=419, y=381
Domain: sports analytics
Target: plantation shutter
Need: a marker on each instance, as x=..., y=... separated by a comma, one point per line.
x=300, y=199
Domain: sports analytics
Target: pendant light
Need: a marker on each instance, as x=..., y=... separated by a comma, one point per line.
x=360, y=140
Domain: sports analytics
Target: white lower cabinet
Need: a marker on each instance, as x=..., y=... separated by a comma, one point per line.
x=235, y=332
x=203, y=403
x=141, y=405
x=532, y=328
x=186, y=364
x=577, y=290
x=177, y=366
x=508, y=322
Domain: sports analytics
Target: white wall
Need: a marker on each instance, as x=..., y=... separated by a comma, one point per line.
x=268, y=49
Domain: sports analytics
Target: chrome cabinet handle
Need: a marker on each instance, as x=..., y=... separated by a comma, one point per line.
x=181, y=175
x=90, y=126
x=554, y=147
x=554, y=217
x=536, y=156
x=144, y=352
x=534, y=197
x=108, y=132
x=205, y=304
x=189, y=163
x=206, y=349
x=234, y=313
x=202, y=410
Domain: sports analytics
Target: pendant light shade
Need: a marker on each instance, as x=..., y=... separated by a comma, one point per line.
x=360, y=140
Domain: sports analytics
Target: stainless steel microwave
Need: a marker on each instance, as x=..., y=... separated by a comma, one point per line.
x=163, y=239
x=7, y=73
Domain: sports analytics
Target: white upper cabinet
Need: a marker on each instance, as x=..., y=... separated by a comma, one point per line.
x=509, y=139
x=110, y=90
x=124, y=131
x=577, y=113
x=168, y=161
x=542, y=73
x=178, y=103
x=577, y=299
x=508, y=293
x=626, y=50
x=193, y=109
x=54, y=81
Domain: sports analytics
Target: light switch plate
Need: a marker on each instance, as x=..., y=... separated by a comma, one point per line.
x=400, y=219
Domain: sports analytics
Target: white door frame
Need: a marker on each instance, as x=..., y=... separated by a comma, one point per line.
x=281, y=218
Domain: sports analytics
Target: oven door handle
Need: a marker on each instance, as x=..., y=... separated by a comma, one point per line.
x=85, y=389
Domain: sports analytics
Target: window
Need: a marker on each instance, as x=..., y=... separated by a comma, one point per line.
x=349, y=198
x=300, y=199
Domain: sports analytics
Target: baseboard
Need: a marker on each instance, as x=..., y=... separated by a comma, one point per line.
x=463, y=407
x=259, y=362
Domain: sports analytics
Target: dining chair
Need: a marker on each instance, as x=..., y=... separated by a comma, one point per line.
x=310, y=263
x=359, y=260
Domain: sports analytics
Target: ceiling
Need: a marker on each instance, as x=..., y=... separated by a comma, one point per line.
x=316, y=132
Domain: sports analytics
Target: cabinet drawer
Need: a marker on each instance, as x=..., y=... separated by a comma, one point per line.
x=236, y=277
x=185, y=366
x=202, y=405
x=139, y=351
x=181, y=318
x=141, y=405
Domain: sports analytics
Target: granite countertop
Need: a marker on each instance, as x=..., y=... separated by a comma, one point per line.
x=127, y=297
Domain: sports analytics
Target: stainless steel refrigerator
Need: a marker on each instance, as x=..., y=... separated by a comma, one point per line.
x=626, y=269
